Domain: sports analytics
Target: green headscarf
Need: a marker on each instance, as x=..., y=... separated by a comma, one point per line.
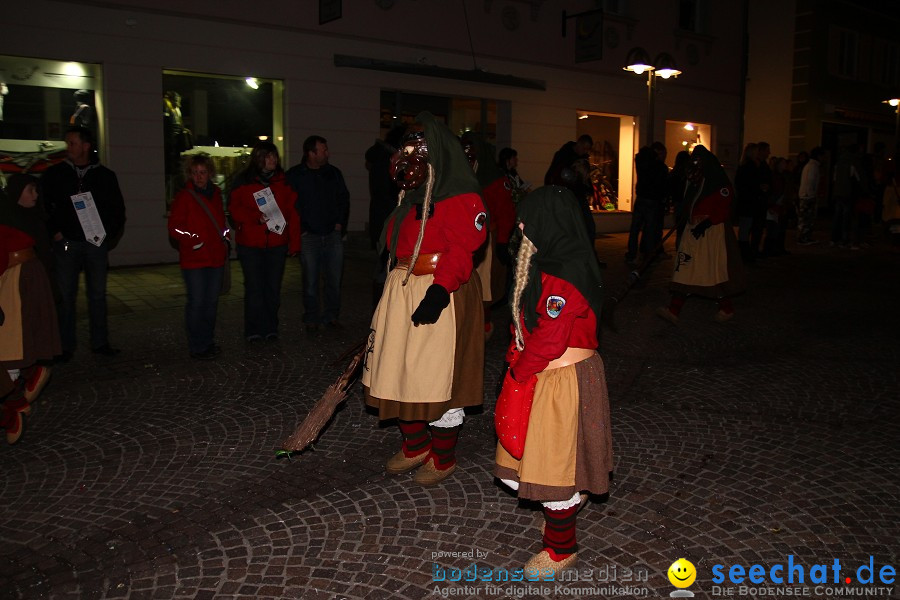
x=714, y=176
x=554, y=223
x=452, y=174
x=488, y=169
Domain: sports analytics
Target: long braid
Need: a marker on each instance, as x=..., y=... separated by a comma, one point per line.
x=523, y=264
x=426, y=207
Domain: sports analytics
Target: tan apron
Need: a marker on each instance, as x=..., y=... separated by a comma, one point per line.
x=551, y=439
x=406, y=363
x=11, y=341
x=702, y=262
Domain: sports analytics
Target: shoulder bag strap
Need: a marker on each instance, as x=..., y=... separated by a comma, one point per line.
x=208, y=212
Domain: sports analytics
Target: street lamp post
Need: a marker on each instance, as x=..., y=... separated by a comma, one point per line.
x=638, y=62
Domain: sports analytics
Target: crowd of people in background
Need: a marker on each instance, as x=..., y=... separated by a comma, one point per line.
x=66, y=223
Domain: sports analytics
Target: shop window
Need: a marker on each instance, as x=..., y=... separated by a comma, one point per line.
x=610, y=158
x=223, y=116
x=39, y=100
x=460, y=114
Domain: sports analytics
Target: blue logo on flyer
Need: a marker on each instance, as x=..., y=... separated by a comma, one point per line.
x=261, y=201
x=80, y=205
x=555, y=305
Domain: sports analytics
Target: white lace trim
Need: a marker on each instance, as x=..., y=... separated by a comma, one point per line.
x=513, y=485
x=451, y=418
x=564, y=504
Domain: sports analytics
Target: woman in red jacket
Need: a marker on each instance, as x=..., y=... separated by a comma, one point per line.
x=197, y=223
x=552, y=416
x=267, y=229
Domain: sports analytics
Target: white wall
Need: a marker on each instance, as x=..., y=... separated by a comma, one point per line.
x=770, y=74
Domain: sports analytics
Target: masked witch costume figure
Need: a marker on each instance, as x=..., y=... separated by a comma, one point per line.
x=29, y=335
x=708, y=261
x=424, y=361
x=552, y=416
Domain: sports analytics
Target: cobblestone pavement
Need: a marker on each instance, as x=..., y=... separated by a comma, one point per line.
x=152, y=476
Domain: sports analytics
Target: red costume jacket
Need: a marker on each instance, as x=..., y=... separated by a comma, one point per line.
x=12, y=240
x=498, y=199
x=245, y=214
x=716, y=206
x=456, y=229
x=565, y=320
x=187, y=219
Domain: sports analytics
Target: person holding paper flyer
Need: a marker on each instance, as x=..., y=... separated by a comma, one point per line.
x=267, y=229
x=86, y=217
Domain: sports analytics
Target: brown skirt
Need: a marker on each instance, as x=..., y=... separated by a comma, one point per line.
x=467, y=387
x=735, y=266
x=569, y=442
x=37, y=318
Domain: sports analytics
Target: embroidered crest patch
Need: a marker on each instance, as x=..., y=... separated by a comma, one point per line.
x=480, y=218
x=555, y=305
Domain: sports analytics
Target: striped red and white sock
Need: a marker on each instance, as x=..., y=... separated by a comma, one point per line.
x=443, y=446
x=559, y=533
x=415, y=438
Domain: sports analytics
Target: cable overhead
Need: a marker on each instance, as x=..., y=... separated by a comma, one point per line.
x=469, y=31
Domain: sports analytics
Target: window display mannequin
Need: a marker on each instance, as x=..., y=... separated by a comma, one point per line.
x=176, y=139
x=3, y=91
x=84, y=112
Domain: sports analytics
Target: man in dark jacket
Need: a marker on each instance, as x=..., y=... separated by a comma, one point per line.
x=383, y=192
x=87, y=214
x=650, y=202
x=323, y=203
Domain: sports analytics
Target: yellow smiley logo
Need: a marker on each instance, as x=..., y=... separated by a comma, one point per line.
x=682, y=573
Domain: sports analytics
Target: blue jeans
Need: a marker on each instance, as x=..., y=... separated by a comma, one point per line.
x=71, y=258
x=322, y=256
x=263, y=270
x=203, y=286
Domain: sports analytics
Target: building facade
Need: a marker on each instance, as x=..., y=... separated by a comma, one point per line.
x=163, y=77
x=819, y=73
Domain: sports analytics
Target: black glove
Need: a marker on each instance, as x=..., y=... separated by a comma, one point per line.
x=436, y=300
x=502, y=252
x=700, y=229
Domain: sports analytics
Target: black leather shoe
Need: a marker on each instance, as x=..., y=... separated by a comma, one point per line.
x=106, y=350
x=65, y=357
x=208, y=354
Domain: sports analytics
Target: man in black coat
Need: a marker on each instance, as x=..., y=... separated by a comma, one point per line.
x=86, y=218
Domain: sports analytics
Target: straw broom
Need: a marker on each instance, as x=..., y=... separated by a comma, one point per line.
x=322, y=411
